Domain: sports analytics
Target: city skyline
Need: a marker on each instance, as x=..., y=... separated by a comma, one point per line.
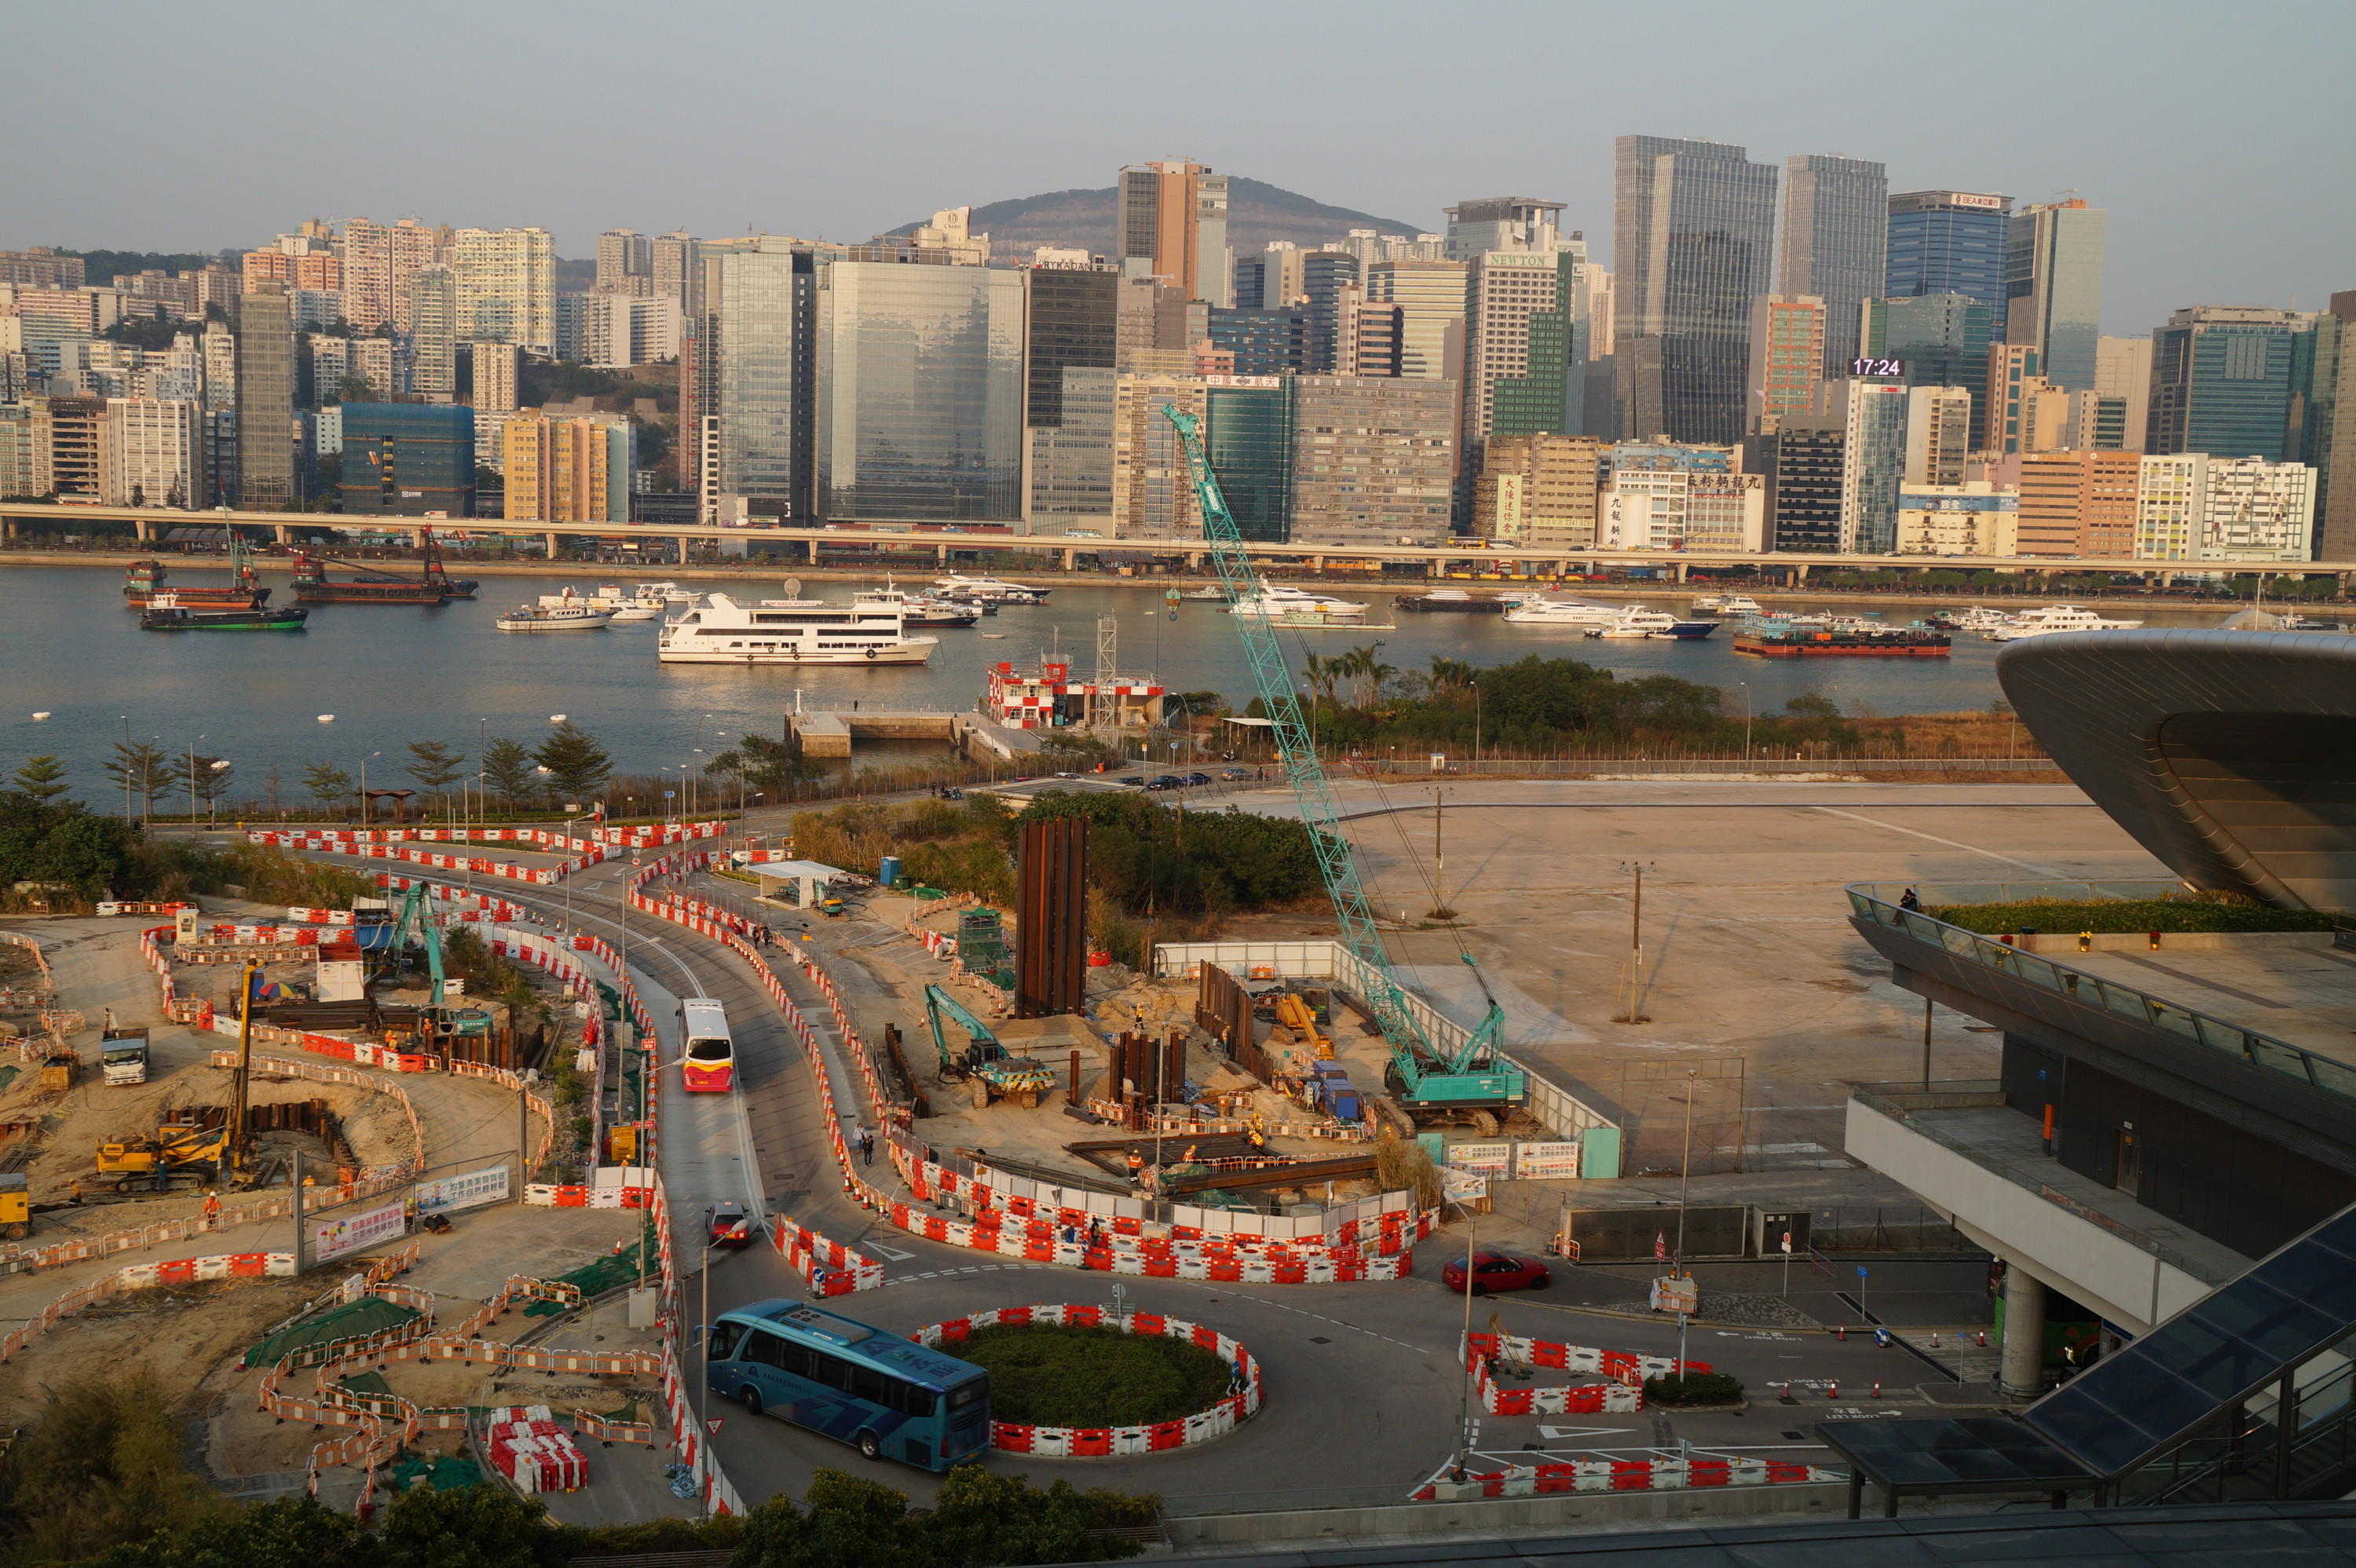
x=2258, y=240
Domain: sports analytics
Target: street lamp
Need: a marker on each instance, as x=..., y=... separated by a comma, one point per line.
x=221, y=765
x=1746, y=718
x=364, y=794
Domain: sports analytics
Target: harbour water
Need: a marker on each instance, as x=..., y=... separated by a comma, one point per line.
x=392, y=675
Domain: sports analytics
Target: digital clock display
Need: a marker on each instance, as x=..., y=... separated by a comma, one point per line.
x=1877, y=367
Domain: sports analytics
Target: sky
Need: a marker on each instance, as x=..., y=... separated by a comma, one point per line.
x=2209, y=133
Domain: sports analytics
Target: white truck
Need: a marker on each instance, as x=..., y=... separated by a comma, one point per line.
x=122, y=1055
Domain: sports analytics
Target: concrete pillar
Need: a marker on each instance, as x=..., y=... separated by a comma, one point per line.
x=1194, y=561
x=1562, y=568
x=1802, y=568
x=2023, y=1373
x=552, y=546
x=1070, y=556
x=281, y=532
x=1432, y=566
x=139, y=527
x=813, y=550
x=1317, y=564
x=1681, y=573
x=941, y=555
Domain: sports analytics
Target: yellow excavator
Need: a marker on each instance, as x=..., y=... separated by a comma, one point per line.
x=176, y=1154
x=1298, y=1017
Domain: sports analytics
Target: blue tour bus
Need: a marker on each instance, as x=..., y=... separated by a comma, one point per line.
x=889, y=1397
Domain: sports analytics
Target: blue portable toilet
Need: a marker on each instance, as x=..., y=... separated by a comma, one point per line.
x=887, y=871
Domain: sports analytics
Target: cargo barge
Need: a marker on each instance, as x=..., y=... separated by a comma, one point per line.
x=166, y=614
x=1809, y=643
x=147, y=579
x=1452, y=601
x=431, y=586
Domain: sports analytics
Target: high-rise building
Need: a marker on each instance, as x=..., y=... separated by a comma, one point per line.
x=1172, y=225
x=2054, y=288
x=1278, y=273
x=1834, y=242
x=1787, y=359
x=506, y=285
x=1152, y=488
x=2123, y=370
x=1324, y=275
x=2256, y=510
x=154, y=451
x=2226, y=379
x=1508, y=348
x=1430, y=297
x=433, y=334
x=1873, y=460
x=1074, y=325
x=15, y=440
x=1666, y=496
x=1938, y=434
x=1373, y=459
x=2077, y=504
x=1264, y=342
x=73, y=443
x=755, y=381
x=1693, y=241
x=366, y=252
x=496, y=367
x=415, y=248
x=1807, y=463
x=2012, y=377
x=41, y=267
x=620, y=330
x=1949, y=242
x=1248, y=430
x=561, y=470
x=2332, y=429
x=1368, y=336
x=1501, y=223
x=266, y=398
x=1975, y=518
x=623, y=253
x=676, y=272
x=920, y=392
x=1540, y=491
x=1071, y=460
x=409, y=460
x=1937, y=340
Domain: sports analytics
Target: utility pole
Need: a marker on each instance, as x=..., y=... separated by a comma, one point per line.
x=1439, y=910
x=1926, y=1045
x=1464, y=1395
x=1685, y=1183
x=237, y=1135
x=1636, y=945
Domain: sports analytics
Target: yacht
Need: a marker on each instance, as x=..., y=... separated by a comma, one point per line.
x=1578, y=614
x=1711, y=603
x=2056, y=618
x=1639, y=621
x=1284, y=603
x=990, y=590
x=924, y=613
x=1735, y=604
x=1978, y=618
x=791, y=631
x=1205, y=593
x=562, y=616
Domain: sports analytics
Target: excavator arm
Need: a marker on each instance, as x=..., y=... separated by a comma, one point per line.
x=936, y=1002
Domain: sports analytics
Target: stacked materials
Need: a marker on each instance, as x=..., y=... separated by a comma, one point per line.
x=526, y=1447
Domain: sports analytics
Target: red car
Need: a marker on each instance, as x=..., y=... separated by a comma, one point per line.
x=729, y=1227
x=1497, y=1270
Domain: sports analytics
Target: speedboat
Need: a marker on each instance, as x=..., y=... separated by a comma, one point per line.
x=990, y=590
x=1284, y=602
x=1639, y=621
x=2055, y=618
x=1577, y=614
x=1978, y=618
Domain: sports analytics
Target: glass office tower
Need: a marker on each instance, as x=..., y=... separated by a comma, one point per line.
x=2053, y=289
x=1943, y=341
x=1250, y=449
x=1836, y=231
x=920, y=402
x=1264, y=342
x=1949, y=242
x=1693, y=241
x=1074, y=324
x=753, y=353
x=2231, y=379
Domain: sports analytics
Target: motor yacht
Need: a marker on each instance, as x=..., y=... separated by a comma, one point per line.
x=2052, y=618
x=1574, y=615
x=791, y=631
x=1281, y=601
x=990, y=590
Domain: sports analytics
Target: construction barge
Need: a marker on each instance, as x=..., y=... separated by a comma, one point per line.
x=147, y=578
x=1809, y=643
x=433, y=586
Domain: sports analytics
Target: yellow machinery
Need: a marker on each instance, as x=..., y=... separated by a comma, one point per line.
x=1295, y=1015
x=183, y=1155
x=15, y=1206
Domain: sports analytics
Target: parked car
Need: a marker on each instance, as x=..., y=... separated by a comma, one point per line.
x=1198, y=778
x=1497, y=1270
x=1234, y=774
x=730, y=1227
x=1137, y=779
x=1166, y=780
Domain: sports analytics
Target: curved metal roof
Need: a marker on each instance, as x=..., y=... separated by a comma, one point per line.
x=2230, y=755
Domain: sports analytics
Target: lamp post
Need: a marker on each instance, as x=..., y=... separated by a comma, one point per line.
x=1746, y=718
x=1476, y=720
x=126, y=767
x=1635, y=942
x=192, y=785
x=221, y=765
x=364, y=794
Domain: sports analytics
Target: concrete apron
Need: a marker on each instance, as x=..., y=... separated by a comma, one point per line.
x=1401, y=1520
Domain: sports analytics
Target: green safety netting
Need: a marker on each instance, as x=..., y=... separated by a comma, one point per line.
x=349, y=1321
x=606, y=1273
x=449, y=1474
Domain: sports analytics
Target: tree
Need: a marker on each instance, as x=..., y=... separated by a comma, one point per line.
x=481, y=1526
x=207, y=778
x=102, y=1468
x=41, y=778
x=508, y=768
x=327, y=783
x=283, y=1531
x=980, y=1517
x=142, y=770
x=434, y=766
x=576, y=764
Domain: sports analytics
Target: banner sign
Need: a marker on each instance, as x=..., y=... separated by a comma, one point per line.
x=1486, y=1159
x=356, y=1233
x=448, y=1194
x=1546, y=1162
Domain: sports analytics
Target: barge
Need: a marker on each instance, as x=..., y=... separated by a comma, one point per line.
x=1804, y=642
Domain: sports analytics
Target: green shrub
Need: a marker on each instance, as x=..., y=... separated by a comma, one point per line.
x=2046, y=916
x=1043, y=1375
x=1693, y=1388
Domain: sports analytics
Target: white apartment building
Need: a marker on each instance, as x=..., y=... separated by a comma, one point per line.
x=2258, y=511
x=156, y=453
x=506, y=285
x=496, y=366
x=1682, y=509
x=1153, y=487
x=621, y=330
x=1972, y=518
x=2171, y=503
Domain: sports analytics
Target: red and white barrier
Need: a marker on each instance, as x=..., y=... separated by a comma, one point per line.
x=1627, y=1370
x=831, y=1268
x=1665, y=1472
x=1094, y=1442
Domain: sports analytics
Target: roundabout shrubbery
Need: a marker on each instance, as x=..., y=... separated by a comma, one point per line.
x=1049, y=1375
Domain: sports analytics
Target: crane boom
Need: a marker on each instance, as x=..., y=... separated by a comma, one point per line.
x=1449, y=1080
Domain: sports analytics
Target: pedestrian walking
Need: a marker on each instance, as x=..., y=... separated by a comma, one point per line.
x=867, y=1148
x=858, y=1135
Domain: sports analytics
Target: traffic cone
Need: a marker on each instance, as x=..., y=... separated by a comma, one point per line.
x=1832, y=1390
x=1876, y=1388
x=1983, y=1339
x=1843, y=1333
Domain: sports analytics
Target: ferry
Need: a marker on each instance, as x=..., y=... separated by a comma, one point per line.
x=1642, y=623
x=576, y=616
x=1732, y=605
x=1978, y=618
x=165, y=614
x=1577, y=614
x=926, y=614
x=1289, y=605
x=635, y=605
x=1769, y=640
x=791, y=631
x=990, y=590
x=2055, y=618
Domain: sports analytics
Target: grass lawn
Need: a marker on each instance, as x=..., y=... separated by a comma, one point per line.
x=1043, y=1375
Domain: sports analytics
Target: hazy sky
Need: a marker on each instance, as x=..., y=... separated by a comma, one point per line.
x=2209, y=132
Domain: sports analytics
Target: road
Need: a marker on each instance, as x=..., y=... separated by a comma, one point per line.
x=1361, y=1385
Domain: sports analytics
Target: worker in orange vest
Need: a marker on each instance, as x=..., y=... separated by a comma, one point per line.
x=1136, y=1168
x=212, y=1211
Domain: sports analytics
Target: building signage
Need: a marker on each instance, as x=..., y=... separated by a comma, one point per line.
x=472, y=1189
x=1483, y=1159
x=1872, y=366
x=1242, y=381
x=1545, y=1162
x=356, y=1233
x=1992, y=203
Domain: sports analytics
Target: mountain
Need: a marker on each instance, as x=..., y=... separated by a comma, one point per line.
x=1257, y=212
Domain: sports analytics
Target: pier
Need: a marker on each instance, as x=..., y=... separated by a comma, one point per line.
x=832, y=732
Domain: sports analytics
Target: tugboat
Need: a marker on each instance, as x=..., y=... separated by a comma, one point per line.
x=145, y=580
x=164, y=613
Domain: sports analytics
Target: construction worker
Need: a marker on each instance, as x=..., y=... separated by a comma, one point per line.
x=1136, y=1168
x=212, y=1208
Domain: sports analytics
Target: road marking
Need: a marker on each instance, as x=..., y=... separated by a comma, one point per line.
x=1951, y=843
x=893, y=1253
x=1555, y=1434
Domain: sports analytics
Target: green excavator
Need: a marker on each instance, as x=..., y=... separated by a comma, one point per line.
x=985, y=1062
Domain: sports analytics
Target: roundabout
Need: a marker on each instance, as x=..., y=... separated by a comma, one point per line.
x=1084, y=1382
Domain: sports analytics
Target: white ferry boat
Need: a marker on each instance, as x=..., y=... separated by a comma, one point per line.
x=634, y=605
x=1734, y=604
x=1577, y=614
x=791, y=631
x=1284, y=602
x=989, y=590
x=564, y=615
x=923, y=610
x=2055, y=618
x=1639, y=621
